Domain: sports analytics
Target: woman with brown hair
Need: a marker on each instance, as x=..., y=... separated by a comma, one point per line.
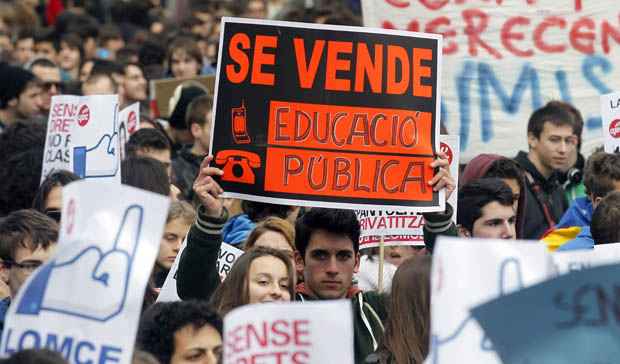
x=408, y=325
x=273, y=232
x=260, y=275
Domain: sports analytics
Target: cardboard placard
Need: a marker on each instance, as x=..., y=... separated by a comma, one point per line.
x=466, y=273
x=610, y=113
x=324, y=115
x=128, y=123
x=505, y=59
x=295, y=332
x=569, y=319
x=82, y=137
x=227, y=257
x=406, y=227
x=162, y=90
x=85, y=302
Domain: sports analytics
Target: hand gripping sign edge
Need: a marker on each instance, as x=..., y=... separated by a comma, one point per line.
x=34, y=301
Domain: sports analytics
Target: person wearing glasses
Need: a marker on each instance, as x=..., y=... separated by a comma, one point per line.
x=48, y=74
x=27, y=240
x=553, y=133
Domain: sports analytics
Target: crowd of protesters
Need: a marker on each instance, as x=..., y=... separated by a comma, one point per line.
x=548, y=192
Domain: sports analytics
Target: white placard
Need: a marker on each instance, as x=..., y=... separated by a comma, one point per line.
x=504, y=59
x=466, y=273
x=610, y=113
x=569, y=261
x=128, y=123
x=316, y=332
x=228, y=255
x=406, y=227
x=82, y=137
x=85, y=302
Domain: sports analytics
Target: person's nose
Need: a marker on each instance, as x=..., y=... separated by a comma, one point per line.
x=332, y=266
x=177, y=245
x=508, y=230
x=276, y=291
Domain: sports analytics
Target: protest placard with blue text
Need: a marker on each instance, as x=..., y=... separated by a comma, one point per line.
x=85, y=302
x=570, y=319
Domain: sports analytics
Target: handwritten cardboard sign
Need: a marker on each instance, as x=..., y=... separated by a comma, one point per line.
x=406, y=227
x=227, y=257
x=85, y=302
x=324, y=115
x=610, y=113
x=293, y=332
x=466, y=273
x=570, y=319
x=82, y=137
x=504, y=59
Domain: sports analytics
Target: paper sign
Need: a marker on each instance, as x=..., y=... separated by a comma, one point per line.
x=610, y=113
x=570, y=261
x=406, y=227
x=162, y=90
x=505, y=59
x=82, y=137
x=325, y=115
x=85, y=302
x=128, y=123
x=466, y=273
x=227, y=257
x=316, y=332
x=571, y=319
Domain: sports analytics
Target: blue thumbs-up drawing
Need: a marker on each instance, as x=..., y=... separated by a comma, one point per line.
x=100, y=276
x=99, y=160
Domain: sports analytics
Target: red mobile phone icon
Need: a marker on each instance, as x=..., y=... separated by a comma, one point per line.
x=239, y=125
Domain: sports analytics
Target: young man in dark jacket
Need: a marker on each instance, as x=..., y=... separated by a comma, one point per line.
x=552, y=134
x=327, y=242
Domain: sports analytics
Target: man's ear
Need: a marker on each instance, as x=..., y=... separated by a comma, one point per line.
x=357, y=263
x=13, y=102
x=463, y=232
x=532, y=140
x=195, y=129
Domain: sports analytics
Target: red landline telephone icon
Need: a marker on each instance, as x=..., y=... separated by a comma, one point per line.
x=238, y=165
x=239, y=125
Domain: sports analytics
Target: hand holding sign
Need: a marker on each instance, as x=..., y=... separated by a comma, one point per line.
x=108, y=278
x=207, y=189
x=443, y=177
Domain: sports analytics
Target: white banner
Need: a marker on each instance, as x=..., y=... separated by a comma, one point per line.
x=504, y=59
x=316, y=332
x=128, y=123
x=82, y=137
x=467, y=273
x=569, y=261
x=610, y=113
x=405, y=227
x=85, y=302
x=227, y=257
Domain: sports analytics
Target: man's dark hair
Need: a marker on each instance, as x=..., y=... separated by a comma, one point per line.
x=506, y=169
x=20, y=174
x=604, y=226
x=145, y=173
x=600, y=173
x=55, y=179
x=555, y=114
x=106, y=67
x=475, y=195
x=126, y=54
x=15, y=80
x=197, y=110
x=26, y=229
x=42, y=62
x=162, y=320
x=75, y=42
x=258, y=211
x=334, y=221
x=24, y=33
x=35, y=356
x=147, y=138
x=46, y=35
x=21, y=136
